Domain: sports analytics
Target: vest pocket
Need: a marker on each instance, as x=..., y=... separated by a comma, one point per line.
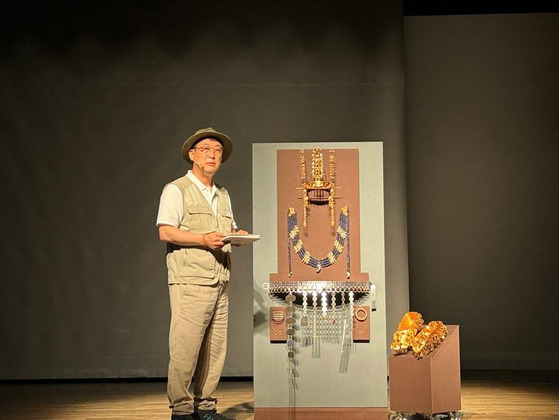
x=225, y=220
x=200, y=219
x=192, y=263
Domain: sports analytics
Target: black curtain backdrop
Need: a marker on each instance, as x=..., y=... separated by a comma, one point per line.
x=97, y=98
x=482, y=151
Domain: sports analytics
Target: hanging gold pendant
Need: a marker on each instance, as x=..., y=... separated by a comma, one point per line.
x=319, y=189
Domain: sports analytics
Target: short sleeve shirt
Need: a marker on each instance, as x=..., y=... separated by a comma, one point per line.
x=171, y=202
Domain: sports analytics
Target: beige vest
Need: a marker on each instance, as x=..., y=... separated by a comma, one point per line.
x=197, y=264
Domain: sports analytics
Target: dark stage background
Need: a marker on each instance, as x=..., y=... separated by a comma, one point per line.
x=97, y=98
x=482, y=131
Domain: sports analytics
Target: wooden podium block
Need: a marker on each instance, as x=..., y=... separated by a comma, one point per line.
x=430, y=384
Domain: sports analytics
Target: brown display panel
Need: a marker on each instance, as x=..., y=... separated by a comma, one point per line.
x=278, y=329
x=361, y=323
x=322, y=413
x=319, y=235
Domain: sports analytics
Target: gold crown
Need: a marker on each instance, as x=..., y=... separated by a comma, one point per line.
x=318, y=190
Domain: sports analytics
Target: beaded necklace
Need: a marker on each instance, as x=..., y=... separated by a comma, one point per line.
x=293, y=238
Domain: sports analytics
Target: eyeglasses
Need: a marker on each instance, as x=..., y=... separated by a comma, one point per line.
x=218, y=151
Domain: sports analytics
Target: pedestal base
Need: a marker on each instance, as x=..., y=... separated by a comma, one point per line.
x=430, y=384
x=397, y=415
x=322, y=413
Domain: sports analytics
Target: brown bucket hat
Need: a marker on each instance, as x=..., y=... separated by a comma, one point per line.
x=206, y=133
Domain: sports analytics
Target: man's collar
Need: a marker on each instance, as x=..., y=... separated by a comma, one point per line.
x=199, y=183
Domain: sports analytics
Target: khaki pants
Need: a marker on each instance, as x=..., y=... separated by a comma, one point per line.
x=197, y=345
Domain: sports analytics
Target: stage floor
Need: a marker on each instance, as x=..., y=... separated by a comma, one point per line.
x=510, y=397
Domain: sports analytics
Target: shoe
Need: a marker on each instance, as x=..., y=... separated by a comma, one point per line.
x=182, y=417
x=210, y=415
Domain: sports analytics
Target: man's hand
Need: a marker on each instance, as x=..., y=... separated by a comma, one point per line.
x=242, y=232
x=213, y=240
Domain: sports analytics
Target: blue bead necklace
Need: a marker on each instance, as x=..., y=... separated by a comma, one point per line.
x=294, y=239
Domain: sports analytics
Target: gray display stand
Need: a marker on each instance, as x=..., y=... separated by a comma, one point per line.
x=350, y=384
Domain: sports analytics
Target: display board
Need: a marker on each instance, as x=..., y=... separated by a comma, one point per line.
x=319, y=312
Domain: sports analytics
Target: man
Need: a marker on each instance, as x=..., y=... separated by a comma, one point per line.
x=194, y=216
